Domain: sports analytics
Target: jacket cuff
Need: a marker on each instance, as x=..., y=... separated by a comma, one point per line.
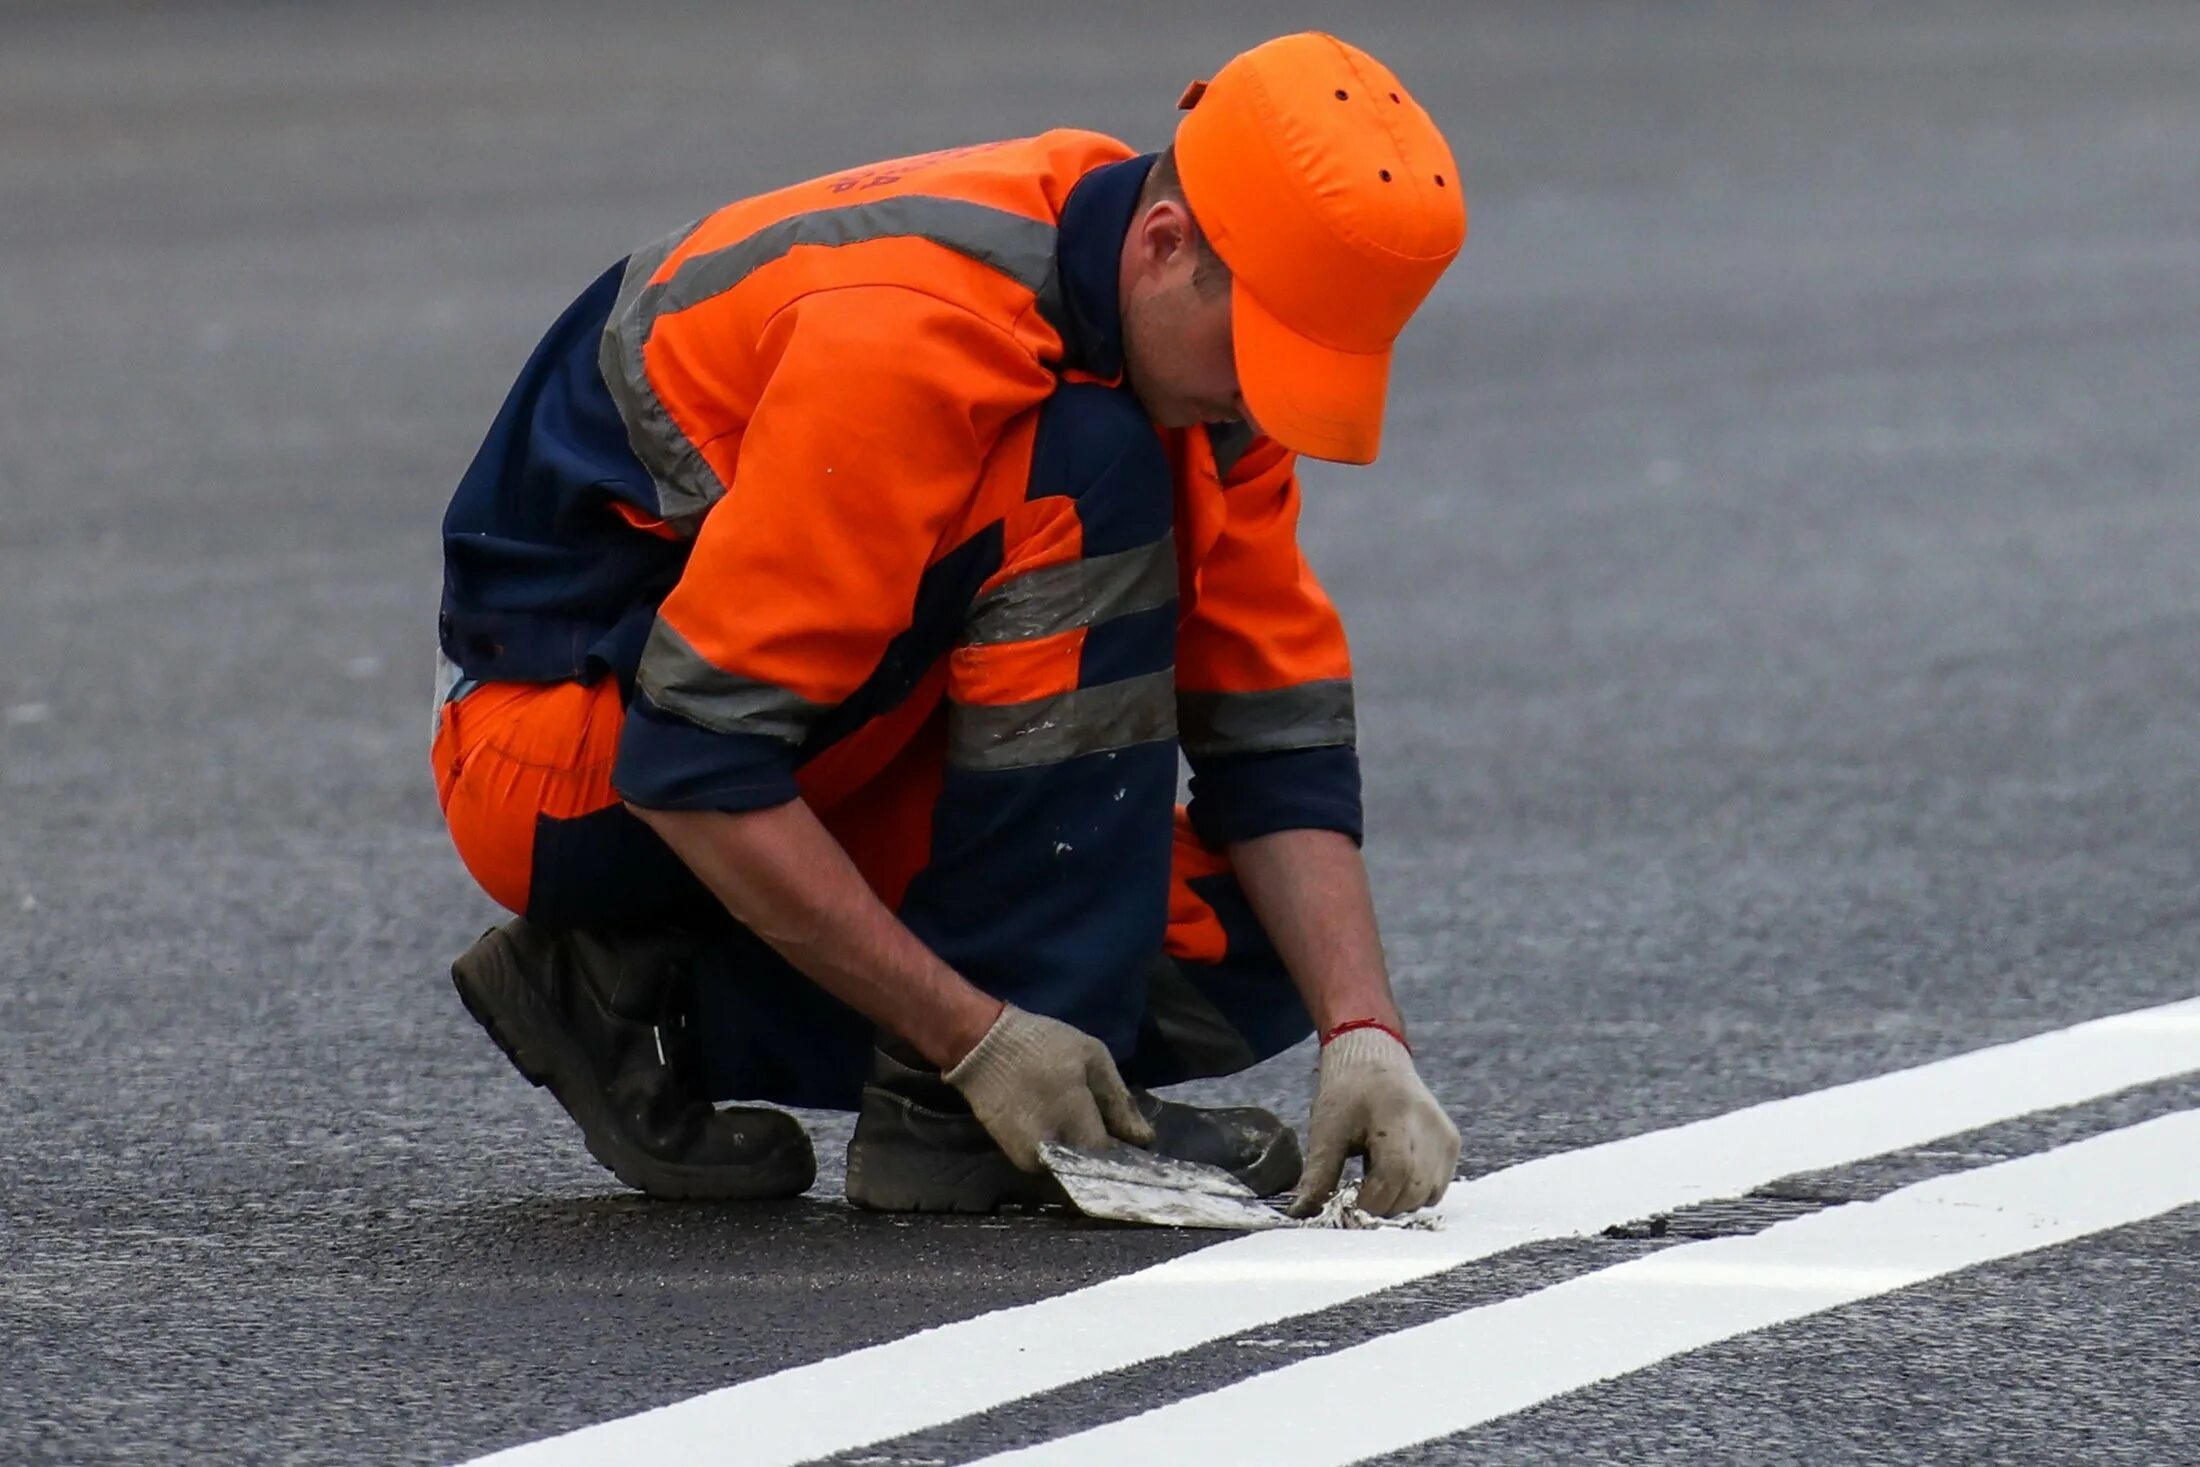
x=667, y=763
x=1243, y=796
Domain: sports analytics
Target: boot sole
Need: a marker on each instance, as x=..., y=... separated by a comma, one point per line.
x=516, y=1020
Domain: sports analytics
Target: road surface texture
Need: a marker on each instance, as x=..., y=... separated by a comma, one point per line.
x=1776, y=623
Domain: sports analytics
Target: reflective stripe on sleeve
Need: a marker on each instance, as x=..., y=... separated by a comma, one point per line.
x=682, y=682
x=1080, y=593
x=1117, y=715
x=1018, y=246
x=1308, y=716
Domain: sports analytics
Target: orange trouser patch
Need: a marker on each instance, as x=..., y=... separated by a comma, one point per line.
x=1195, y=932
x=509, y=754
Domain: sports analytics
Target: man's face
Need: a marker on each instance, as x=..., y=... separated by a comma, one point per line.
x=1177, y=355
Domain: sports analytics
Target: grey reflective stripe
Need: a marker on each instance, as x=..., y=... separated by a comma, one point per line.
x=1018, y=246
x=1053, y=309
x=663, y=449
x=646, y=262
x=1229, y=441
x=679, y=680
x=1081, y=593
x=1308, y=716
x=1137, y=710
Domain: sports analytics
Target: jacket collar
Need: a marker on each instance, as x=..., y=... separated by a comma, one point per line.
x=1088, y=256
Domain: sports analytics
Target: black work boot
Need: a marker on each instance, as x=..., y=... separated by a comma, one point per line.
x=917, y=1147
x=1249, y=1143
x=601, y=1023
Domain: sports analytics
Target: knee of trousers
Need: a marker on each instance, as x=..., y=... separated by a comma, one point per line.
x=523, y=772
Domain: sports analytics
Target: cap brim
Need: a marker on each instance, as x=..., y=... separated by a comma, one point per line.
x=1312, y=399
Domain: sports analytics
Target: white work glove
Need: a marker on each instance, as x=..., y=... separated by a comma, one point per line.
x=1369, y=1101
x=1033, y=1079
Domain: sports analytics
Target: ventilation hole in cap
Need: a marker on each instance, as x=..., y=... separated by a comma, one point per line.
x=1386, y=175
x=1396, y=98
x=1342, y=94
x=1439, y=180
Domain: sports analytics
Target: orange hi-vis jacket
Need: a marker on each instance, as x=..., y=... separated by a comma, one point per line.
x=774, y=445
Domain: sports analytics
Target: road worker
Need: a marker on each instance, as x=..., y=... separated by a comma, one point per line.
x=825, y=612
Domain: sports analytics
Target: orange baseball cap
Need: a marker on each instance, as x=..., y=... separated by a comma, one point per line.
x=1336, y=204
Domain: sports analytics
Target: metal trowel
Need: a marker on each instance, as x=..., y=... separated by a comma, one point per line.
x=1124, y=1184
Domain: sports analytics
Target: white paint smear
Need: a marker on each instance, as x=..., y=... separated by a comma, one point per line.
x=956, y=1370
x=1441, y=1378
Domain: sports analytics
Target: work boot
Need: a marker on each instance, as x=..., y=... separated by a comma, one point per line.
x=918, y=1148
x=602, y=1023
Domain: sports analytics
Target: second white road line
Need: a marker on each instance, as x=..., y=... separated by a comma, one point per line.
x=1441, y=1378
x=939, y=1375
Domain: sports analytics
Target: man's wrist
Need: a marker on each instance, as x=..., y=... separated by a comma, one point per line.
x=1394, y=1028
x=956, y=1028
x=1361, y=999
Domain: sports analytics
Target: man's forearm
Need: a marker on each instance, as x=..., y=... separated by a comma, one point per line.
x=1309, y=889
x=781, y=873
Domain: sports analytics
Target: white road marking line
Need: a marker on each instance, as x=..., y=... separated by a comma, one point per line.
x=1437, y=1379
x=939, y=1375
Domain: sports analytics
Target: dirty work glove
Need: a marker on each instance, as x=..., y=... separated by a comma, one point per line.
x=1369, y=1101
x=1032, y=1079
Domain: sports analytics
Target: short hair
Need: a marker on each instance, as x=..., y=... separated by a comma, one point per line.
x=1210, y=275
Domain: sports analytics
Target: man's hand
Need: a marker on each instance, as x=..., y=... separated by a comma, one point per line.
x=1032, y=1079
x=1370, y=1101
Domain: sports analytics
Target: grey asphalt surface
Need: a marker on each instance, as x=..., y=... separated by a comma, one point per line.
x=1774, y=610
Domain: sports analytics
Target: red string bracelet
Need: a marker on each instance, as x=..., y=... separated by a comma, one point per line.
x=1351, y=1024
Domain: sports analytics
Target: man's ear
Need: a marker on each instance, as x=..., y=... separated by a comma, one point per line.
x=1164, y=232
x=1176, y=226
